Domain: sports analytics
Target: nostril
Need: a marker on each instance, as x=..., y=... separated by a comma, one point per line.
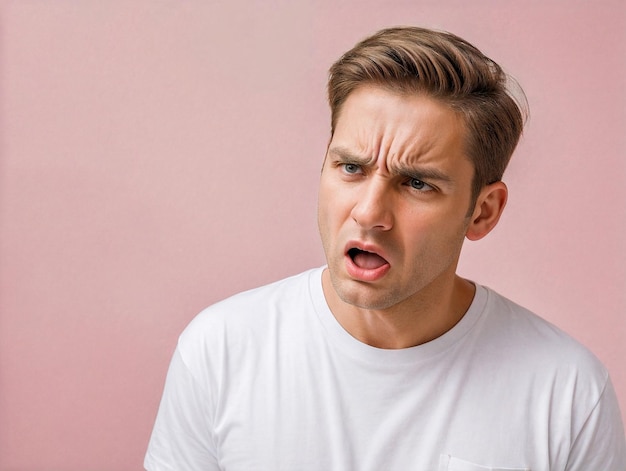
x=373, y=212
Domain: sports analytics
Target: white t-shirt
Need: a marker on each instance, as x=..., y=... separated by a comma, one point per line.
x=269, y=380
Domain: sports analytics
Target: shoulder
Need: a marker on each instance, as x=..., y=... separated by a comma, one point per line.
x=543, y=368
x=283, y=292
x=517, y=323
x=253, y=311
x=541, y=349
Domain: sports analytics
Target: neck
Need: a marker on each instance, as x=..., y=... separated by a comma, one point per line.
x=430, y=314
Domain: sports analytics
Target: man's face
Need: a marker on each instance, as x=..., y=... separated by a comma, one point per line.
x=394, y=195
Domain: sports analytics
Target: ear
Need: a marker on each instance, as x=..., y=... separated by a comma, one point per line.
x=487, y=211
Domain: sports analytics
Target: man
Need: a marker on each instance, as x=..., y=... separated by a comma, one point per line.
x=385, y=359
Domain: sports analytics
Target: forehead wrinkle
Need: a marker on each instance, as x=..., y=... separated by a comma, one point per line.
x=375, y=140
x=385, y=139
x=384, y=150
x=394, y=141
x=413, y=147
x=365, y=148
x=417, y=151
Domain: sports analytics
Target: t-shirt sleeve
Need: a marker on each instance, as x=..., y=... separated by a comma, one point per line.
x=600, y=444
x=182, y=437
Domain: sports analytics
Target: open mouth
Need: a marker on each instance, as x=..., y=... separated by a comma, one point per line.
x=366, y=260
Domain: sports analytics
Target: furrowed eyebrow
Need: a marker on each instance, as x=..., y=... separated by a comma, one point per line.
x=349, y=157
x=427, y=174
x=422, y=174
x=418, y=173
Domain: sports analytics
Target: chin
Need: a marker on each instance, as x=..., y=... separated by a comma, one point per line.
x=361, y=295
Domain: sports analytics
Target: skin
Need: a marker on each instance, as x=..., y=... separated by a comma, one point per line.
x=396, y=181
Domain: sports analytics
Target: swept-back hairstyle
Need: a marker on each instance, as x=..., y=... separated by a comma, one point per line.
x=410, y=60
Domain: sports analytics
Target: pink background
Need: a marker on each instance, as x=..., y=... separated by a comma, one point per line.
x=159, y=155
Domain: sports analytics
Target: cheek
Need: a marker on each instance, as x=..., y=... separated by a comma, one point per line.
x=328, y=220
x=323, y=202
x=331, y=206
x=324, y=212
x=432, y=230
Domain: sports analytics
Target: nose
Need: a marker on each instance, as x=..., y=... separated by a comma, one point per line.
x=374, y=207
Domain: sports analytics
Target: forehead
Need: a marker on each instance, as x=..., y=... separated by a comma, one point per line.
x=400, y=128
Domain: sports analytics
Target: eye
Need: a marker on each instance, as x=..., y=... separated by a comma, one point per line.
x=419, y=185
x=351, y=168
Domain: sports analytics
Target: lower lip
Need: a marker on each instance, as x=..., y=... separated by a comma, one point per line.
x=365, y=274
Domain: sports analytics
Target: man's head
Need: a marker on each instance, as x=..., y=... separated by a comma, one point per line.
x=422, y=130
x=412, y=60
